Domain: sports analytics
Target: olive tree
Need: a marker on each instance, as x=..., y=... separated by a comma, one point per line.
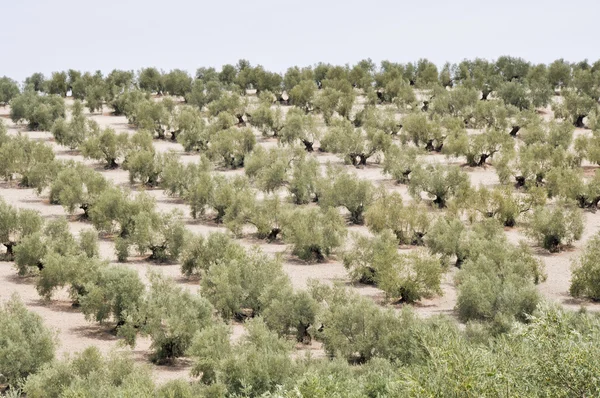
x=478, y=148
x=268, y=169
x=299, y=127
x=231, y=146
x=53, y=238
x=106, y=146
x=151, y=80
x=503, y=204
x=177, y=82
x=314, y=233
x=74, y=132
x=399, y=162
x=242, y=286
x=163, y=235
x=406, y=278
x=409, y=223
x=303, y=94
x=496, y=284
x=357, y=330
x=268, y=121
x=439, y=181
x=115, y=210
x=25, y=343
x=341, y=188
x=74, y=271
x=89, y=373
x=170, y=316
x=418, y=129
x=116, y=292
x=355, y=145
x=193, y=134
x=586, y=271
x=304, y=180
x=145, y=166
x=575, y=107
x=9, y=89
x=15, y=225
x=40, y=112
x=200, y=252
x=76, y=187
x=552, y=228
x=30, y=161
x=259, y=362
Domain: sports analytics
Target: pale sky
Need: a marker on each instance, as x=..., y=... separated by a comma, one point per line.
x=45, y=36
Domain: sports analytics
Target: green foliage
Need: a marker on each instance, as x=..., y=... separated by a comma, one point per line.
x=25, y=343
x=114, y=210
x=200, y=252
x=163, y=235
x=409, y=223
x=299, y=127
x=228, y=197
x=9, y=89
x=497, y=283
x=574, y=107
x=419, y=130
x=106, y=146
x=503, y=204
x=125, y=102
x=57, y=84
x=258, y=364
x=292, y=312
x=177, y=82
x=231, y=146
x=355, y=145
x=268, y=216
x=314, y=233
x=31, y=161
x=243, y=284
x=116, y=292
x=170, y=315
x=441, y=182
x=302, y=95
x=193, y=134
x=268, y=121
x=40, y=112
x=151, y=80
x=478, y=148
x=268, y=168
x=306, y=172
x=145, y=166
x=399, y=162
x=356, y=329
x=552, y=228
x=89, y=374
x=54, y=238
x=16, y=224
x=75, y=271
x=341, y=188
x=156, y=117
x=77, y=186
x=403, y=277
x=585, y=268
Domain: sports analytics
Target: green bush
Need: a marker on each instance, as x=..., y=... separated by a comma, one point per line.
x=555, y=227
x=403, y=277
x=314, y=233
x=585, y=281
x=89, y=374
x=25, y=343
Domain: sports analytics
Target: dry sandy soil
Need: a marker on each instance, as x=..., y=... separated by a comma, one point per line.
x=75, y=333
